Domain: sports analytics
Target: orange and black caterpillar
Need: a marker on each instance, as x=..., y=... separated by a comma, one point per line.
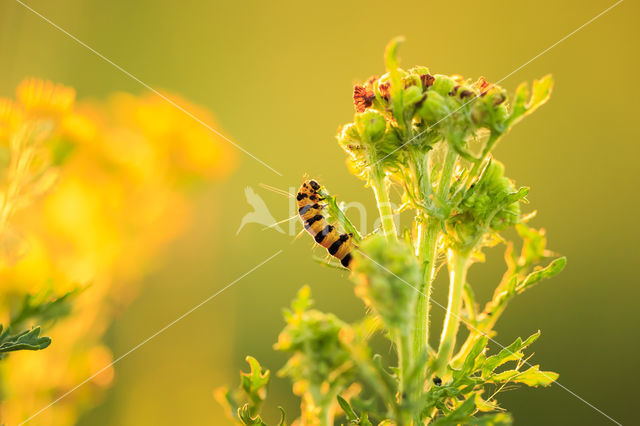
x=310, y=208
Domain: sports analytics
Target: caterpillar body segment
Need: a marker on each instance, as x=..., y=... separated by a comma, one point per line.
x=310, y=208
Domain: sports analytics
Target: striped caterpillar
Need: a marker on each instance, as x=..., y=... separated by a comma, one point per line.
x=310, y=208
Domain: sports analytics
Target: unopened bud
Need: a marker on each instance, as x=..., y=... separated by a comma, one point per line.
x=371, y=125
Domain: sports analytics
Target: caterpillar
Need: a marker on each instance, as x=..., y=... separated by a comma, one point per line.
x=310, y=208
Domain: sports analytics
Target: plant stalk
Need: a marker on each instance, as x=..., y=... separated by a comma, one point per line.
x=428, y=232
x=427, y=253
x=458, y=265
x=404, y=366
x=383, y=201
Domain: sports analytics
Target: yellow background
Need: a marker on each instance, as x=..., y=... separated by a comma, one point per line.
x=278, y=76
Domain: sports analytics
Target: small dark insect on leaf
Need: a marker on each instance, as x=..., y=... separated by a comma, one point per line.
x=437, y=381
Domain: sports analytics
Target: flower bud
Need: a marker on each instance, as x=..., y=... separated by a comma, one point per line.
x=371, y=125
x=411, y=80
x=412, y=95
x=434, y=107
x=493, y=204
x=387, y=275
x=443, y=84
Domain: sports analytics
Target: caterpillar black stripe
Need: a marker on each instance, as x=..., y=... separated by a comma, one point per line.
x=310, y=208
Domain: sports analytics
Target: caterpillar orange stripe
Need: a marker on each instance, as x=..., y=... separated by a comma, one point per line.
x=310, y=208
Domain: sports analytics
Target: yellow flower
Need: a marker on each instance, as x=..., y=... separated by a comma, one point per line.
x=119, y=199
x=44, y=99
x=10, y=117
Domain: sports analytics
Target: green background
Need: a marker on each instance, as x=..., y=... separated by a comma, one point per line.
x=278, y=76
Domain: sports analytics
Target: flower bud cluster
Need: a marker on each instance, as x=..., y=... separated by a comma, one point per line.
x=491, y=205
x=413, y=109
x=312, y=337
x=385, y=272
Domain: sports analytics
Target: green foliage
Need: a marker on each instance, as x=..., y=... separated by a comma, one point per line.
x=39, y=308
x=27, y=340
x=244, y=403
x=382, y=271
x=491, y=205
x=43, y=308
x=312, y=338
x=430, y=136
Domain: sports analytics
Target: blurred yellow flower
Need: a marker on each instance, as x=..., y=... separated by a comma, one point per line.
x=44, y=98
x=125, y=171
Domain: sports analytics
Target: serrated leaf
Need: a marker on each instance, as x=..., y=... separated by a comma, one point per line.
x=244, y=414
x=42, y=308
x=531, y=377
x=513, y=352
x=254, y=383
x=524, y=105
x=538, y=275
x=27, y=340
x=534, y=243
x=541, y=93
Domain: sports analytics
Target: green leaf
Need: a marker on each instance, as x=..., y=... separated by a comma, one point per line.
x=538, y=275
x=498, y=419
x=513, y=352
x=254, y=383
x=541, y=93
x=27, y=340
x=534, y=243
x=523, y=105
x=42, y=308
x=283, y=417
x=531, y=377
x=460, y=415
x=348, y=411
x=244, y=413
x=336, y=213
x=468, y=366
x=520, y=194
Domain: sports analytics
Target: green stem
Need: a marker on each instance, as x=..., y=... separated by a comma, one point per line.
x=427, y=246
x=428, y=236
x=491, y=142
x=458, y=265
x=325, y=403
x=384, y=204
x=427, y=240
x=403, y=343
x=447, y=172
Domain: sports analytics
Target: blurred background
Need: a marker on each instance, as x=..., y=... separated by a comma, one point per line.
x=277, y=78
